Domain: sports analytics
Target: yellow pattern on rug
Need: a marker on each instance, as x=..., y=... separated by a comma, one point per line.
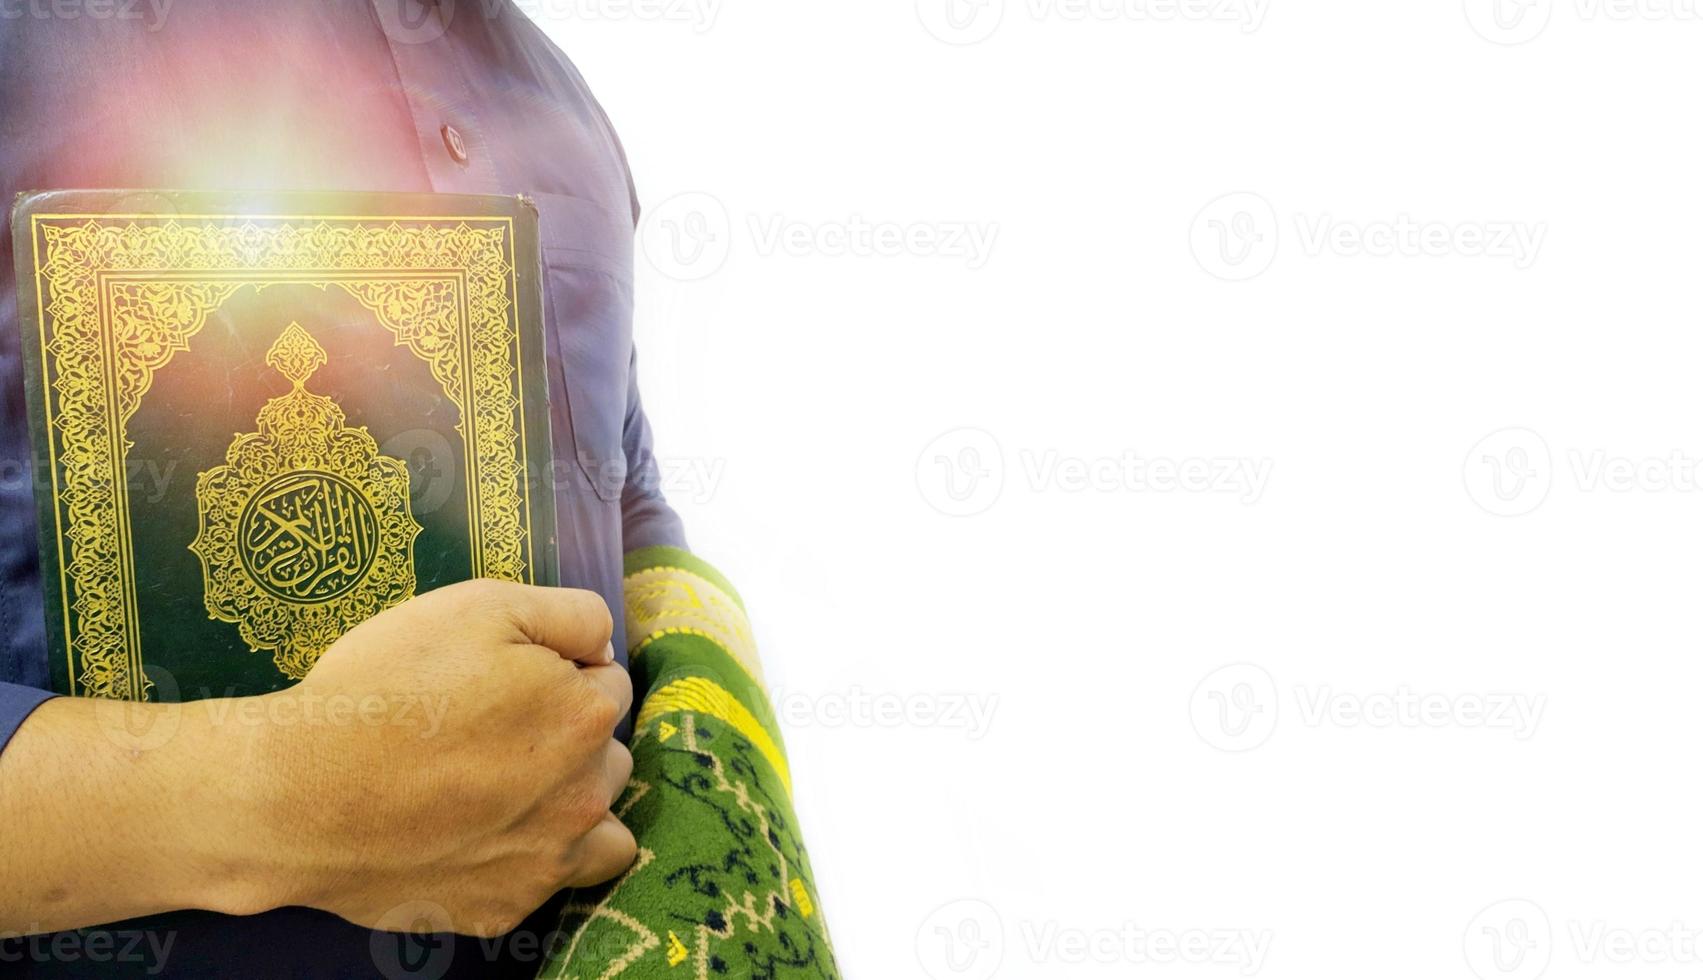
x=663, y=600
x=707, y=697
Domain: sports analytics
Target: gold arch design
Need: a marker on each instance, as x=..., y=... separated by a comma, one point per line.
x=305, y=529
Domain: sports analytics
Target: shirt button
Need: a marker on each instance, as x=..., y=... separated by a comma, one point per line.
x=453, y=142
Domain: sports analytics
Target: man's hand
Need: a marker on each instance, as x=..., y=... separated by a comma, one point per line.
x=474, y=771
x=506, y=803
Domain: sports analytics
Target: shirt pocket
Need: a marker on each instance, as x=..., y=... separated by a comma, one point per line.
x=587, y=256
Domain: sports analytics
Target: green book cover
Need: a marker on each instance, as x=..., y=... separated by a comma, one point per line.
x=259, y=419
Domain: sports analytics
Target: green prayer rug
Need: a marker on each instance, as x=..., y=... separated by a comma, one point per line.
x=722, y=886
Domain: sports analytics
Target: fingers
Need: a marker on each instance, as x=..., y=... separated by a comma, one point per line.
x=573, y=622
x=617, y=769
x=602, y=854
x=613, y=682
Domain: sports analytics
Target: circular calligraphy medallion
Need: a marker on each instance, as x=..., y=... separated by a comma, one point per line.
x=307, y=536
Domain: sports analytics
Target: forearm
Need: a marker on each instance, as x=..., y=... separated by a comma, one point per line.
x=455, y=749
x=118, y=810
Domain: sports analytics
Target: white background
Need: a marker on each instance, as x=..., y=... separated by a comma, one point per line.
x=1451, y=315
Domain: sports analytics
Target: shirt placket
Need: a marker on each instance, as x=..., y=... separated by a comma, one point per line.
x=454, y=145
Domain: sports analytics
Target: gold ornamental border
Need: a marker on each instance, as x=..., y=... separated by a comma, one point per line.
x=125, y=297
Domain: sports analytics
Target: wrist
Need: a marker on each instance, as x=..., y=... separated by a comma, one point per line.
x=232, y=791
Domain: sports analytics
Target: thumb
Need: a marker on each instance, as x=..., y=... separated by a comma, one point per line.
x=573, y=622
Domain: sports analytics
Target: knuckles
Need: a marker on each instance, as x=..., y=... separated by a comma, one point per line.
x=598, y=714
x=620, y=764
x=511, y=896
x=582, y=814
x=496, y=922
x=599, y=620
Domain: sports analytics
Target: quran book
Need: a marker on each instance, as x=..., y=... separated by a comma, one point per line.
x=259, y=419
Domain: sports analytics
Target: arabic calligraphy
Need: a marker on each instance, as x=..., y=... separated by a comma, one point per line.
x=306, y=530
x=307, y=536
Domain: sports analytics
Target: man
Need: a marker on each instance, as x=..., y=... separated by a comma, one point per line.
x=313, y=851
